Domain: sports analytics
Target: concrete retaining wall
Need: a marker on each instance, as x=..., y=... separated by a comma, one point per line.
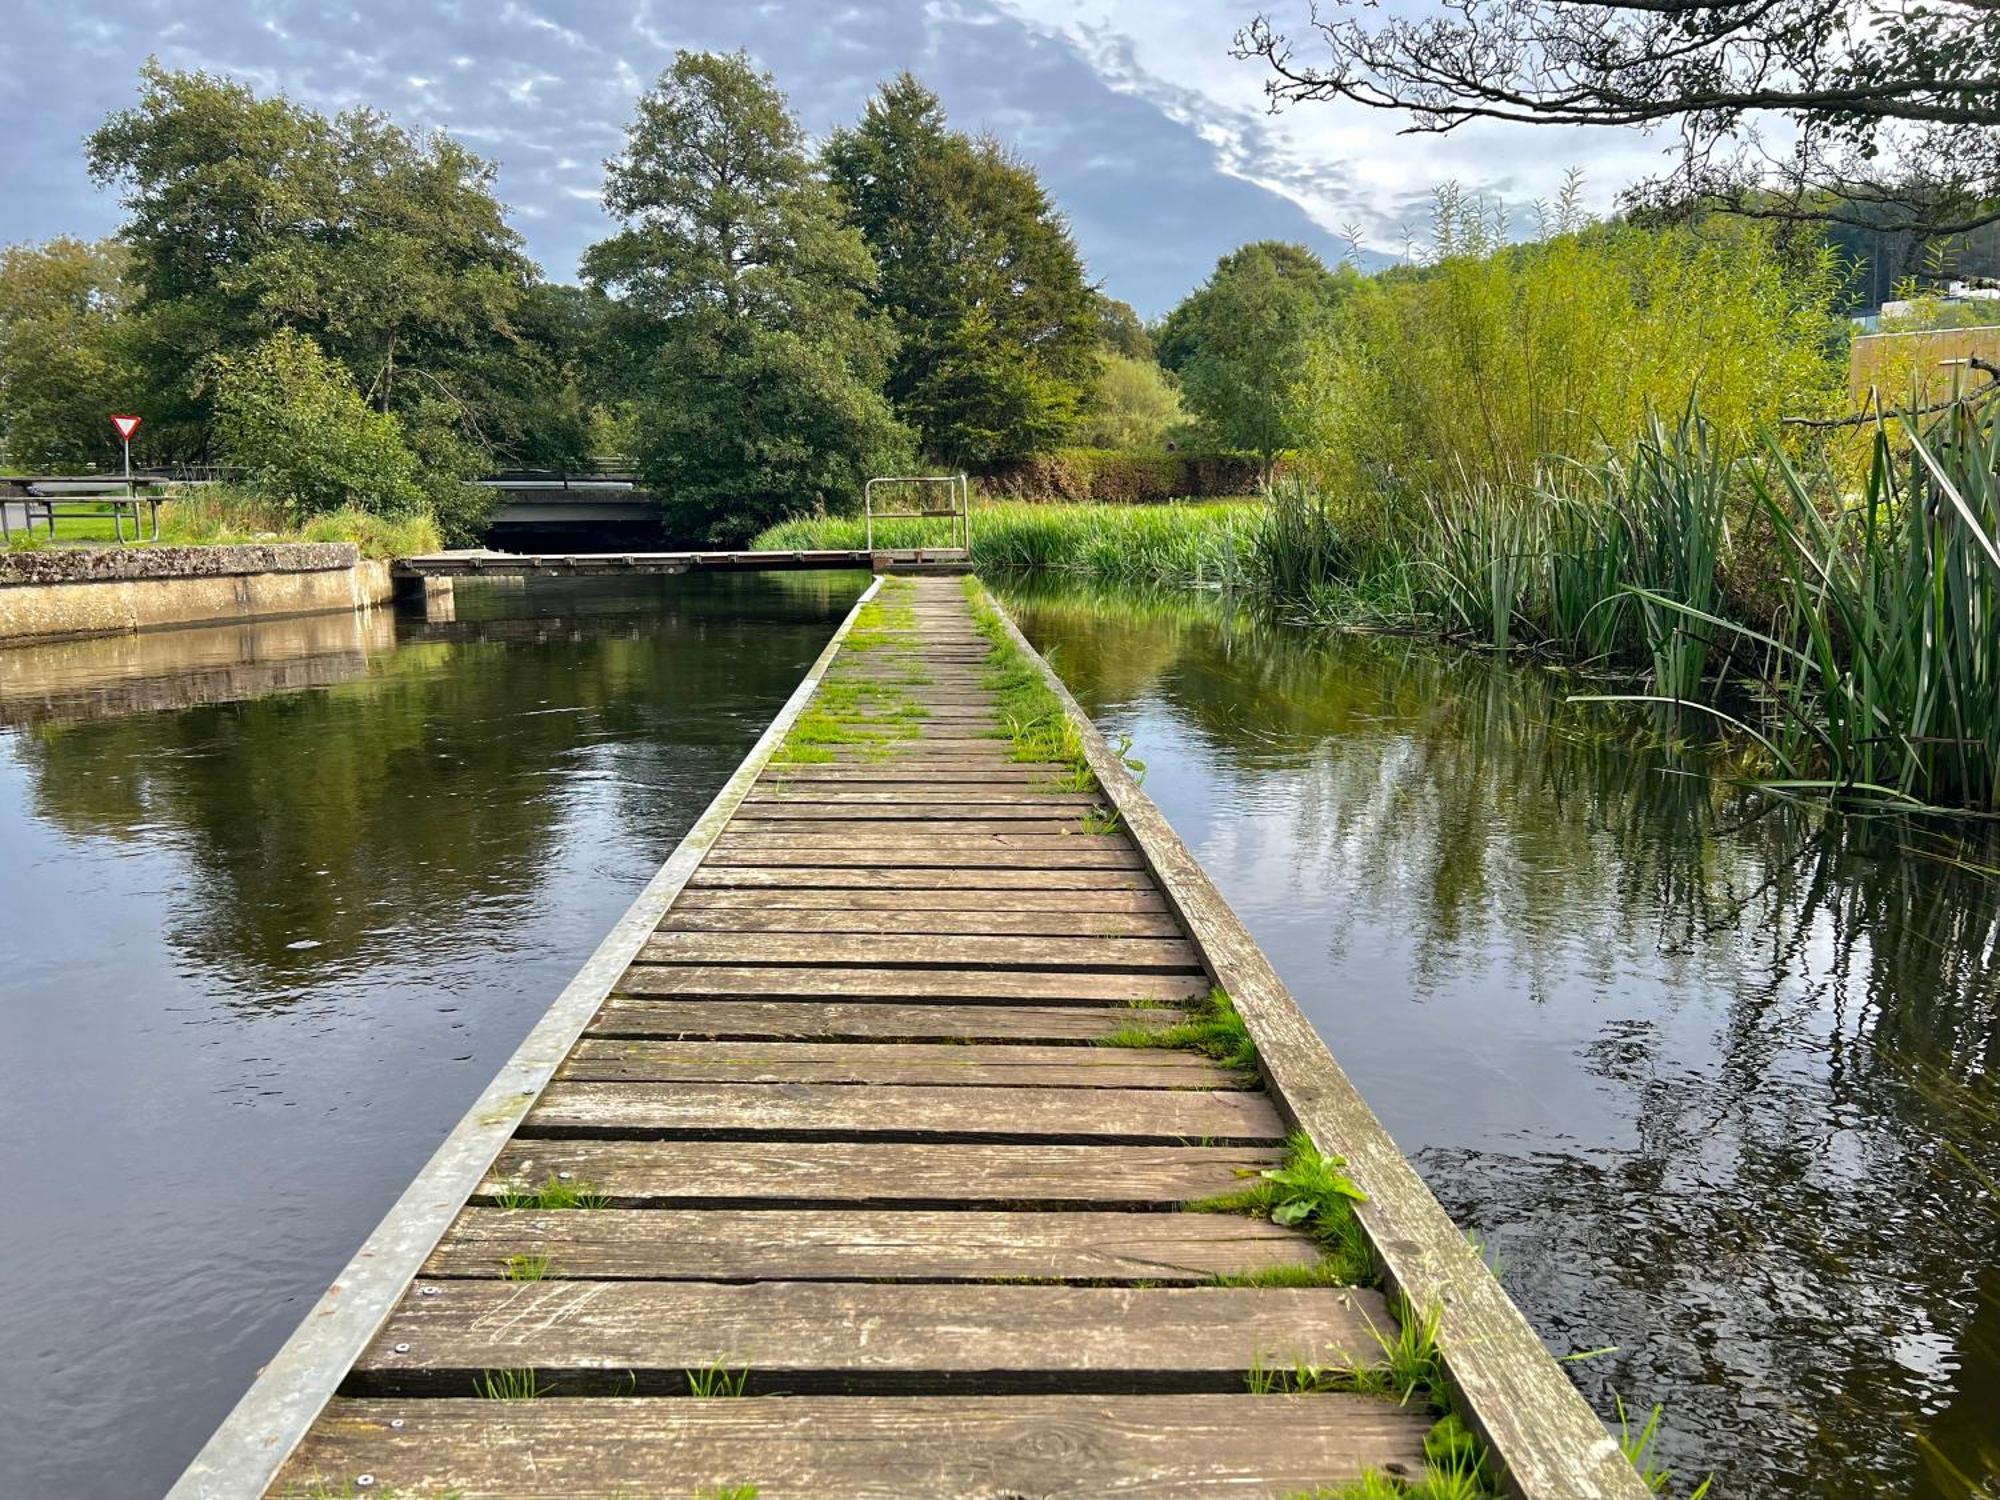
x=93, y=590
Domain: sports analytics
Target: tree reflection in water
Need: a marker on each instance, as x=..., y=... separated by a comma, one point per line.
x=1717, y=1077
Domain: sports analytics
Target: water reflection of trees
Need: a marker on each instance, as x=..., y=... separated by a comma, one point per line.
x=1797, y=1252
x=430, y=792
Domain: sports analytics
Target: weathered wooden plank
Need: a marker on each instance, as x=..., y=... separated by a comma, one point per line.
x=908, y=877
x=1060, y=840
x=866, y=1244
x=972, y=855
x=864, y=1338
x=938, y=951
x=966, y=1065
x=749, y=981
x=917, y=799
x=819, y=1020
x=1024, y=808
x=938, y=1174
x=906, y=1112
x=859, y=1448
x=1028, y=771
x=937, y=898
x=974, y=922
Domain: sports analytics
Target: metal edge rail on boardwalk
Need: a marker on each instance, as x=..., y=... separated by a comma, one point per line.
x=862, y=993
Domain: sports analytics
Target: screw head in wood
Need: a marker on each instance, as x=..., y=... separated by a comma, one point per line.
x=402, y=1349
x=363, y=1481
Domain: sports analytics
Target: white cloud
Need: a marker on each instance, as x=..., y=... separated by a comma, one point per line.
x=1340, y=163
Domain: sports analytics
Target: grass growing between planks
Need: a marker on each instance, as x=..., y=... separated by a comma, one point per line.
x=525, y=1268
x=1308, y=1191
x=870, y=713
x=1038, y=726
x=1215, y=1029
x=556, y=1192
x=508, y=1385
x=727, y=1492
x=718, y=1379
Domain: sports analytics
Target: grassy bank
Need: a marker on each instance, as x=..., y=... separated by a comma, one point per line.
x=213, y=516
x=1847, y=629
x=1189, y=544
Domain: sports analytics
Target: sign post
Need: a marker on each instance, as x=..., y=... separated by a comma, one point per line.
x=126, y=427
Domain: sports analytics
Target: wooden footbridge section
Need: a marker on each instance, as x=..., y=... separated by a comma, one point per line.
x=820, y=1182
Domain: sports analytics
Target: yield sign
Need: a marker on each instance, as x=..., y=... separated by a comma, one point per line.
x=126, y=426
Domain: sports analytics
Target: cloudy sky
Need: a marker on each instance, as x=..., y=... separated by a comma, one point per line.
x=1154, y=141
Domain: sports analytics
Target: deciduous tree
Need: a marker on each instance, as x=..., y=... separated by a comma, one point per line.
x=978, y=274
x=1239, y=342
x=1889, y=112
x=755, y=360
x=63, y=364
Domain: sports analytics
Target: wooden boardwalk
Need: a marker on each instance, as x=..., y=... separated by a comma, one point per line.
x=872, y=1208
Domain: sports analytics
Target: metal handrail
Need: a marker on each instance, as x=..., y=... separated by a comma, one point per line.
x=958, y=491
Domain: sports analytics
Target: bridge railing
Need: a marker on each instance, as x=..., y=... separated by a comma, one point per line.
x=956, y=506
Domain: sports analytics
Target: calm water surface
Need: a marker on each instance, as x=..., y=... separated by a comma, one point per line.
x=1717, y=1084
x=275, y=903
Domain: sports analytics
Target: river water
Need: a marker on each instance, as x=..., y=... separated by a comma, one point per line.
x=276, y=901
x=1713, y=1081
x=1717, y=1083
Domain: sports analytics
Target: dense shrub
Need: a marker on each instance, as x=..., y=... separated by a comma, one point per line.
x=1480, y=367
x=1112, y=476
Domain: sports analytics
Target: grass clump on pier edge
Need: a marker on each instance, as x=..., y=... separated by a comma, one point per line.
x=1214, y=1028
x=727, y=1492
x=1037, y=724
x=1307, y=1191
x=556, y=1192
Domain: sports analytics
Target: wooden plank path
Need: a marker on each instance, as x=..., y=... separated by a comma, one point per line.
x=831, y=1123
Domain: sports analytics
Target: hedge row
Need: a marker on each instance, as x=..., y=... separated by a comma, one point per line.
x=1108, y=475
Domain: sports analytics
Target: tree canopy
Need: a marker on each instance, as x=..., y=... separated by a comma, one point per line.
x=64, y=367
x=978, y=274
x=249, y=215
x=753, y=354
x=1890, y=110
x=1238, y=342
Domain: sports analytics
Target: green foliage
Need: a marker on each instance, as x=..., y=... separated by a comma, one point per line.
x=218, y=515
x=247, y=216
x=1495, y=359
x=979, y=275
x=718, y=1380
x=1172, y=544
x=1120, y=332
x=291, y=420
x=1116, y=476
x=1238, y=341
x=1638, y=1448
x=1133, y=404
x=1309, y=1192
x=554, y=1193
x=1882, y=673
x=1216, y=1029
x=756, y=361
x=64, y=367
x=509, y=1385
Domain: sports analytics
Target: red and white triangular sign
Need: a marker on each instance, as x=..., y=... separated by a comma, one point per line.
x=126, y=426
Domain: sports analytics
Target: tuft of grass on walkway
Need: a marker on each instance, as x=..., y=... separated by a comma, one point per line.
x=717, y=1380
x=556, y=1192
x=509, y=1385
x=525, y=1268
x=1308, y=1191
x=1216, y=1030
